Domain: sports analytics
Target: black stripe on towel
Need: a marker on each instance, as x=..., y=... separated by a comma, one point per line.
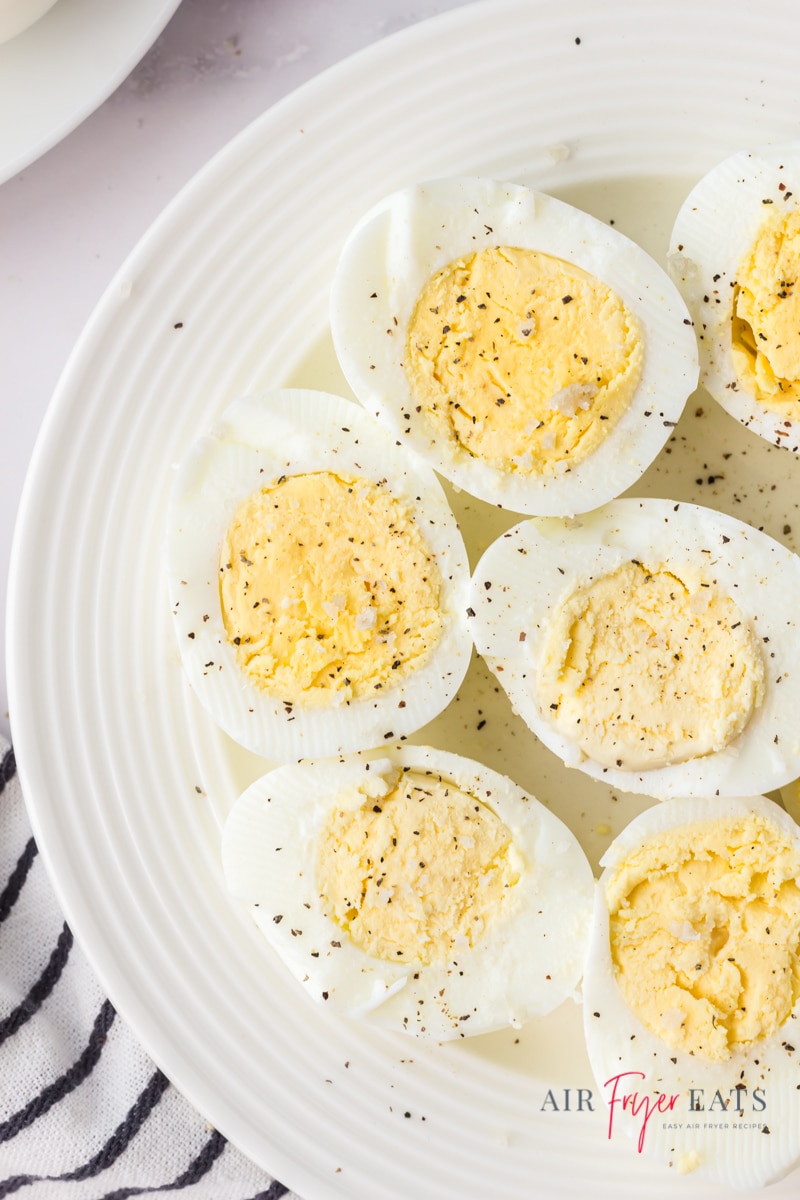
x=10, y=893
x=66, y=1083
x=126, y=1130
x=41, y=989
x=118, y=1142
x=8, y=769
x=273, y=1192
x=16, y=880
x=200, y=1165
x=197, y=1168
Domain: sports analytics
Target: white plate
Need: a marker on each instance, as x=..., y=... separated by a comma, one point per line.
x=58, y=71
x=619, y=107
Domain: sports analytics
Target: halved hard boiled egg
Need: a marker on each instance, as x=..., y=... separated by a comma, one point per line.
x=317, y=577
x=536, y=357
x=735, y=256
x=414, y=886
x=692, y=988
x=652, y=644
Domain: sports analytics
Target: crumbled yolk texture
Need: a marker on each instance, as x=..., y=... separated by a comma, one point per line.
x=705, y=929
x=766, y=316
x=642, y=668
x=328, y=589
x=526, y=360
x=419, y=874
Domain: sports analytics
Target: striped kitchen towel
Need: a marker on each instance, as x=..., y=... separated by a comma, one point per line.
x=84, y=1113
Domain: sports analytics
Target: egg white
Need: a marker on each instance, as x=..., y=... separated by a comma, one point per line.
x=410, y=235
x=739, y=1155
x=257, y=440
x=527, y=573
x=714, y=230
x=528, y=962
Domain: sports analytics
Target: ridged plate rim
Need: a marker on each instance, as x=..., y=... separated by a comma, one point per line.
x=225, y=291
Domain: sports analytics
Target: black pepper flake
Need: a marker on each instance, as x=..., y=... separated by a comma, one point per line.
x=566, y=299
x=470, y=612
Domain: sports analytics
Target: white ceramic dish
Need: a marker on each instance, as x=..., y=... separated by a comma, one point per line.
x=59, y=70
x=619, y=108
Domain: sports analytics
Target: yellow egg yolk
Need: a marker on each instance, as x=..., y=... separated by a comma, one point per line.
x=766, y=316
x=527, y=361
x=705, y=931
x=418, y=874
x=642, y=668
x=327, y=588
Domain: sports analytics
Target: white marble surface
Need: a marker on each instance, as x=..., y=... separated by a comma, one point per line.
x=70, y=219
